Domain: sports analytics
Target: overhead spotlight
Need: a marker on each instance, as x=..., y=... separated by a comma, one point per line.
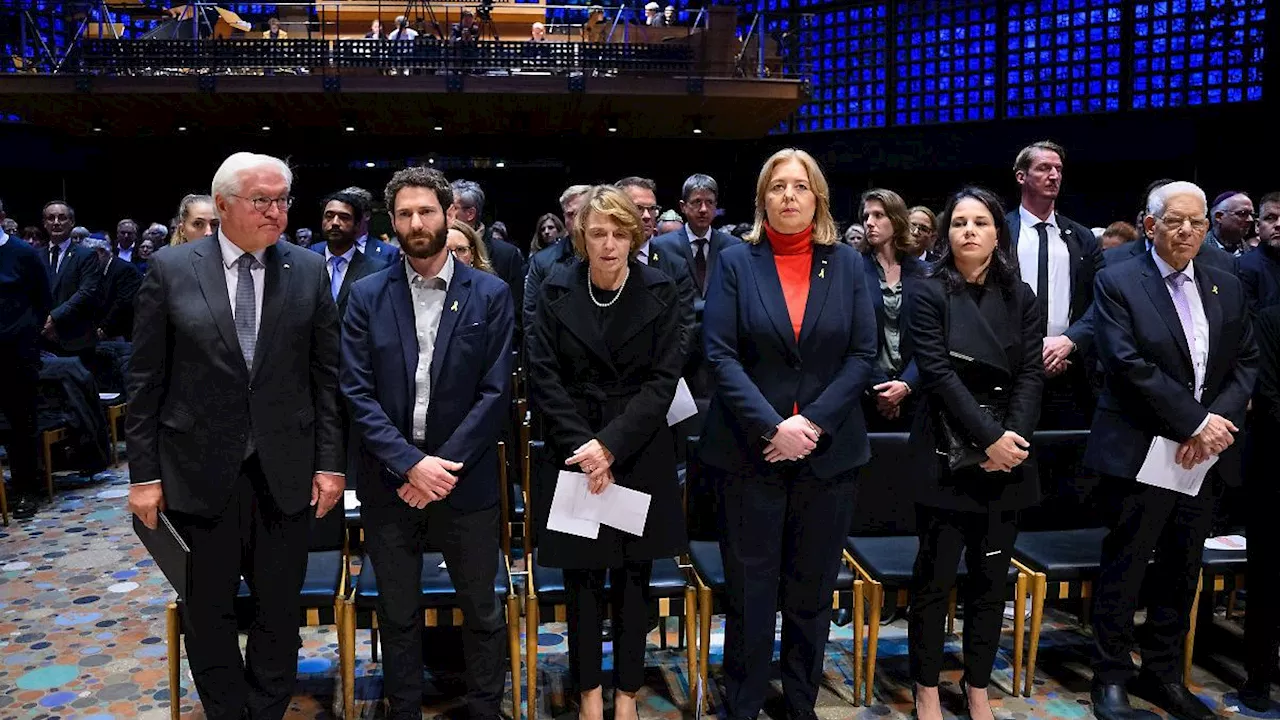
x=500, y=165
x=438, y=127
x=97, y=129
x=612, y=124
x=431, y=161
x=182, y=128
x=266, y=128
x=697, y=126
x=370, y=164
x=351, y=128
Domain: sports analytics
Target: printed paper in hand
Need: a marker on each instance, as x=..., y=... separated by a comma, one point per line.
x=1226, y=542
x=349, y=500
x=618, y=507
x=561, y=517
x=682, y=405
x=1161, y=470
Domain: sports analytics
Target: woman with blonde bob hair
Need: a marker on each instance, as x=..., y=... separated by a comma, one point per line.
x=790, y=337
x=605, y=355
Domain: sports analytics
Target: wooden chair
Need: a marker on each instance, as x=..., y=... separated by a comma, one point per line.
x=116, y=409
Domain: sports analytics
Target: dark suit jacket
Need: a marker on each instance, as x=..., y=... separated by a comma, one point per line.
x=1208, y=255
x=470, y=382
x=77, y=292
x=913, y=271
x=678, y=241
x=541, y=264
x=361, y=265
x=119, y=286
x=1147, y=364
x=508, y=263
x=1260, y=274
x=761, y=372
x=193, y=403
x=1086, y=260
x=974, y=352
x=676, y=268
x=25, y=301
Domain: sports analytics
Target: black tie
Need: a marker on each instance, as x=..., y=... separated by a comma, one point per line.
x=700, y=264
x=54, y=251
x=1042, y=273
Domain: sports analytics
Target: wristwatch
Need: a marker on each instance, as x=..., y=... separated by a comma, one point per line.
x=768, y=436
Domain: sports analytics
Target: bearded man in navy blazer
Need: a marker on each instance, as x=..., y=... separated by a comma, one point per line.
x=1174, y=341
x=426, y=364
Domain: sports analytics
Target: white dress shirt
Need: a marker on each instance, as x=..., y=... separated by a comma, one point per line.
x=125, y=254
x=342, y=267
x=1059, y=268
x=693, y=240
x=1199, y=321
x=4, y=237
x=230, y=254
x=428, y=296
x=360, y=241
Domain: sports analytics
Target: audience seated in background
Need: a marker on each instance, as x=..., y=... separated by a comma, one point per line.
x=1117, y=234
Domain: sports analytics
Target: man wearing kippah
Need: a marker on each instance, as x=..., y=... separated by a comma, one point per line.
x=1232, y=216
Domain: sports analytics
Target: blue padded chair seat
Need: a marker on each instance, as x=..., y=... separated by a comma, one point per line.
x=705, y=557
x=666, y=581
x=891, y=560
x=1063, y=555
x=1224, y=561
x=321, y=584
x=437, y=588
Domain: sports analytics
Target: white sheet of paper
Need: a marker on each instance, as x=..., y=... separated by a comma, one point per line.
x=561, y=517
x=682, y=405
x=1162, y=471
x=1226, y=542
x=349, y=500
x=618, y=507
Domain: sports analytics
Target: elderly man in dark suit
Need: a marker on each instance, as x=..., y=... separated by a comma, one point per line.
x=1058, y=258
x=234, y=428
x=120, y=281
x=76, y=280
x=560, y=252
x=426, y=365
x=507, y=260
x=1208, y=255
x=1179, y=359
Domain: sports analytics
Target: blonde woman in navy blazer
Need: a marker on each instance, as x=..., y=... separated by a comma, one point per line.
x=790, y=336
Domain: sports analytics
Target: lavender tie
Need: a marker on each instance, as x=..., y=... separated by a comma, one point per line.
x=1176, y=281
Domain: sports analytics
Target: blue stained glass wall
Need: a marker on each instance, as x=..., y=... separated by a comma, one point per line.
x=944, y=62
x=845, y=55
x=1064, y=57
x=1197, y=52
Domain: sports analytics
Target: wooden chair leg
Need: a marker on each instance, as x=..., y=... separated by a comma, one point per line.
x=513, y=649
x=4, y=497
x=46, y=441
x=704, y=646
x=688, y=625
x=951, y=612
x=347, y=658
x=112, y=417
x=531, y=656
x=859, y=598
x=174, y=629
x=1038, y=589
x=1019, y=628
x=1189, y=643
x=373, y=638
x=873, y=638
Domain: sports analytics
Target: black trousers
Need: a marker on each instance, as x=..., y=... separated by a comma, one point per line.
x=782, y=538
x=987, y=540
x=1262, y=624
x=1143, y=520
x=585, y=602
x=1069, y=400
x=396, y=536
x=253, y=538
x=19, y=391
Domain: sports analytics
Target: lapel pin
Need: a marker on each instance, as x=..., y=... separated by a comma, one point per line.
x=1215, y=290
x=454, y=307
x=286, y=266
x=822, y=273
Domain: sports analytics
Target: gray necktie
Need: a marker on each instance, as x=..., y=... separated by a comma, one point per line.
x=245, y=308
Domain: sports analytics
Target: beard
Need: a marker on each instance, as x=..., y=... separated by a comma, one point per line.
x=423, y=244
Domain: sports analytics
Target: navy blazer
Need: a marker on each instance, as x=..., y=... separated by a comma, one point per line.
x=1085, y=253
x=1260, y=273
x=77, y=295
x=913, y=269
x=470, y=382
x=761, y=372
x=1147, y=363
x=374, y=249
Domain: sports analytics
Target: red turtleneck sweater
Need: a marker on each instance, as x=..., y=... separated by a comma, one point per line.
x=793, y=256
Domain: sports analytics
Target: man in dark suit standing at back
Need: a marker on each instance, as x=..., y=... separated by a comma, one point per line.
x=1058, y=258
x=76, y=280
x=545, y=260
x=25, y=301
x=120, y=281
x=644, y=193
x=426, y=369
x=345, y=264
x=234, y=429
x=1179, y=359
x=372, y=247
x=507, y=260
x=1209, y=255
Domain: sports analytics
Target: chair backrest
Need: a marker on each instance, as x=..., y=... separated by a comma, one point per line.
x=884, y=502
x=1066, y=485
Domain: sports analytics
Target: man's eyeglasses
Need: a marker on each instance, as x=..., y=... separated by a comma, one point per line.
x=654, y=210
x=1174, y=222
x=262, y=204
x=1242, y=214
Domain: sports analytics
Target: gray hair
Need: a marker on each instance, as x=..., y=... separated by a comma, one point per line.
x=639, y=182
x=79, y=231
x=93, y=243
x=468, y=194
x=572, y=192
x=126, y=221
x=229, y=178
x=1159, y=198
x=699, y=182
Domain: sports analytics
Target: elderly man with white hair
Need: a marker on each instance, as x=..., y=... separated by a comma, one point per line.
x=1174, y=342
x=120, y=281
x=234, y=431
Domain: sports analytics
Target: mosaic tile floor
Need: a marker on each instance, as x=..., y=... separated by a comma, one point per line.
x=82, y=638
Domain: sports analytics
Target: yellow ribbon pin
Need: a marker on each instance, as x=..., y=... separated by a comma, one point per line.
x=454, y=307
x=1215, y=289
x=822, y=273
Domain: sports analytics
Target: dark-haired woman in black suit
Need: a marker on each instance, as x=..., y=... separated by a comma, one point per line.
x=975, y=334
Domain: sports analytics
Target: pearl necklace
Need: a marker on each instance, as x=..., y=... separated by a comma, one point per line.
x=592, y=292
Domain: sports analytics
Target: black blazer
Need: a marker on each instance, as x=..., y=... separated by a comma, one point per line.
x=676, y=268
x=677, y=241
x=762, y=373
x=974, y=352
x=1147, y=364
x=913, y=270
x=193, y=402
x=614, y=386
x=77, y=293
x=541, y=265
x=1086, y=260
x=508, y=264
x=470, y=382
x=119, y=286
x=25, y=300
x=1260, y=273
x=1208, y=256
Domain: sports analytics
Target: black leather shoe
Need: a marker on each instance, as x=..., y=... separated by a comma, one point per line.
x=24, y=507
x=1111, y=702
x=1173, y=698
x=1256, y=696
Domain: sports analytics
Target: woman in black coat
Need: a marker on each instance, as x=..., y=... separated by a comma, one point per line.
x=976, y=335
x=604, y=357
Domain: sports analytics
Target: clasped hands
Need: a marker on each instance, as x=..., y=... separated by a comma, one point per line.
x=596, y=462
x=795, y=438
x=1056, y=351
x=1212, y=440
x=430, y=480
x=889, y=397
